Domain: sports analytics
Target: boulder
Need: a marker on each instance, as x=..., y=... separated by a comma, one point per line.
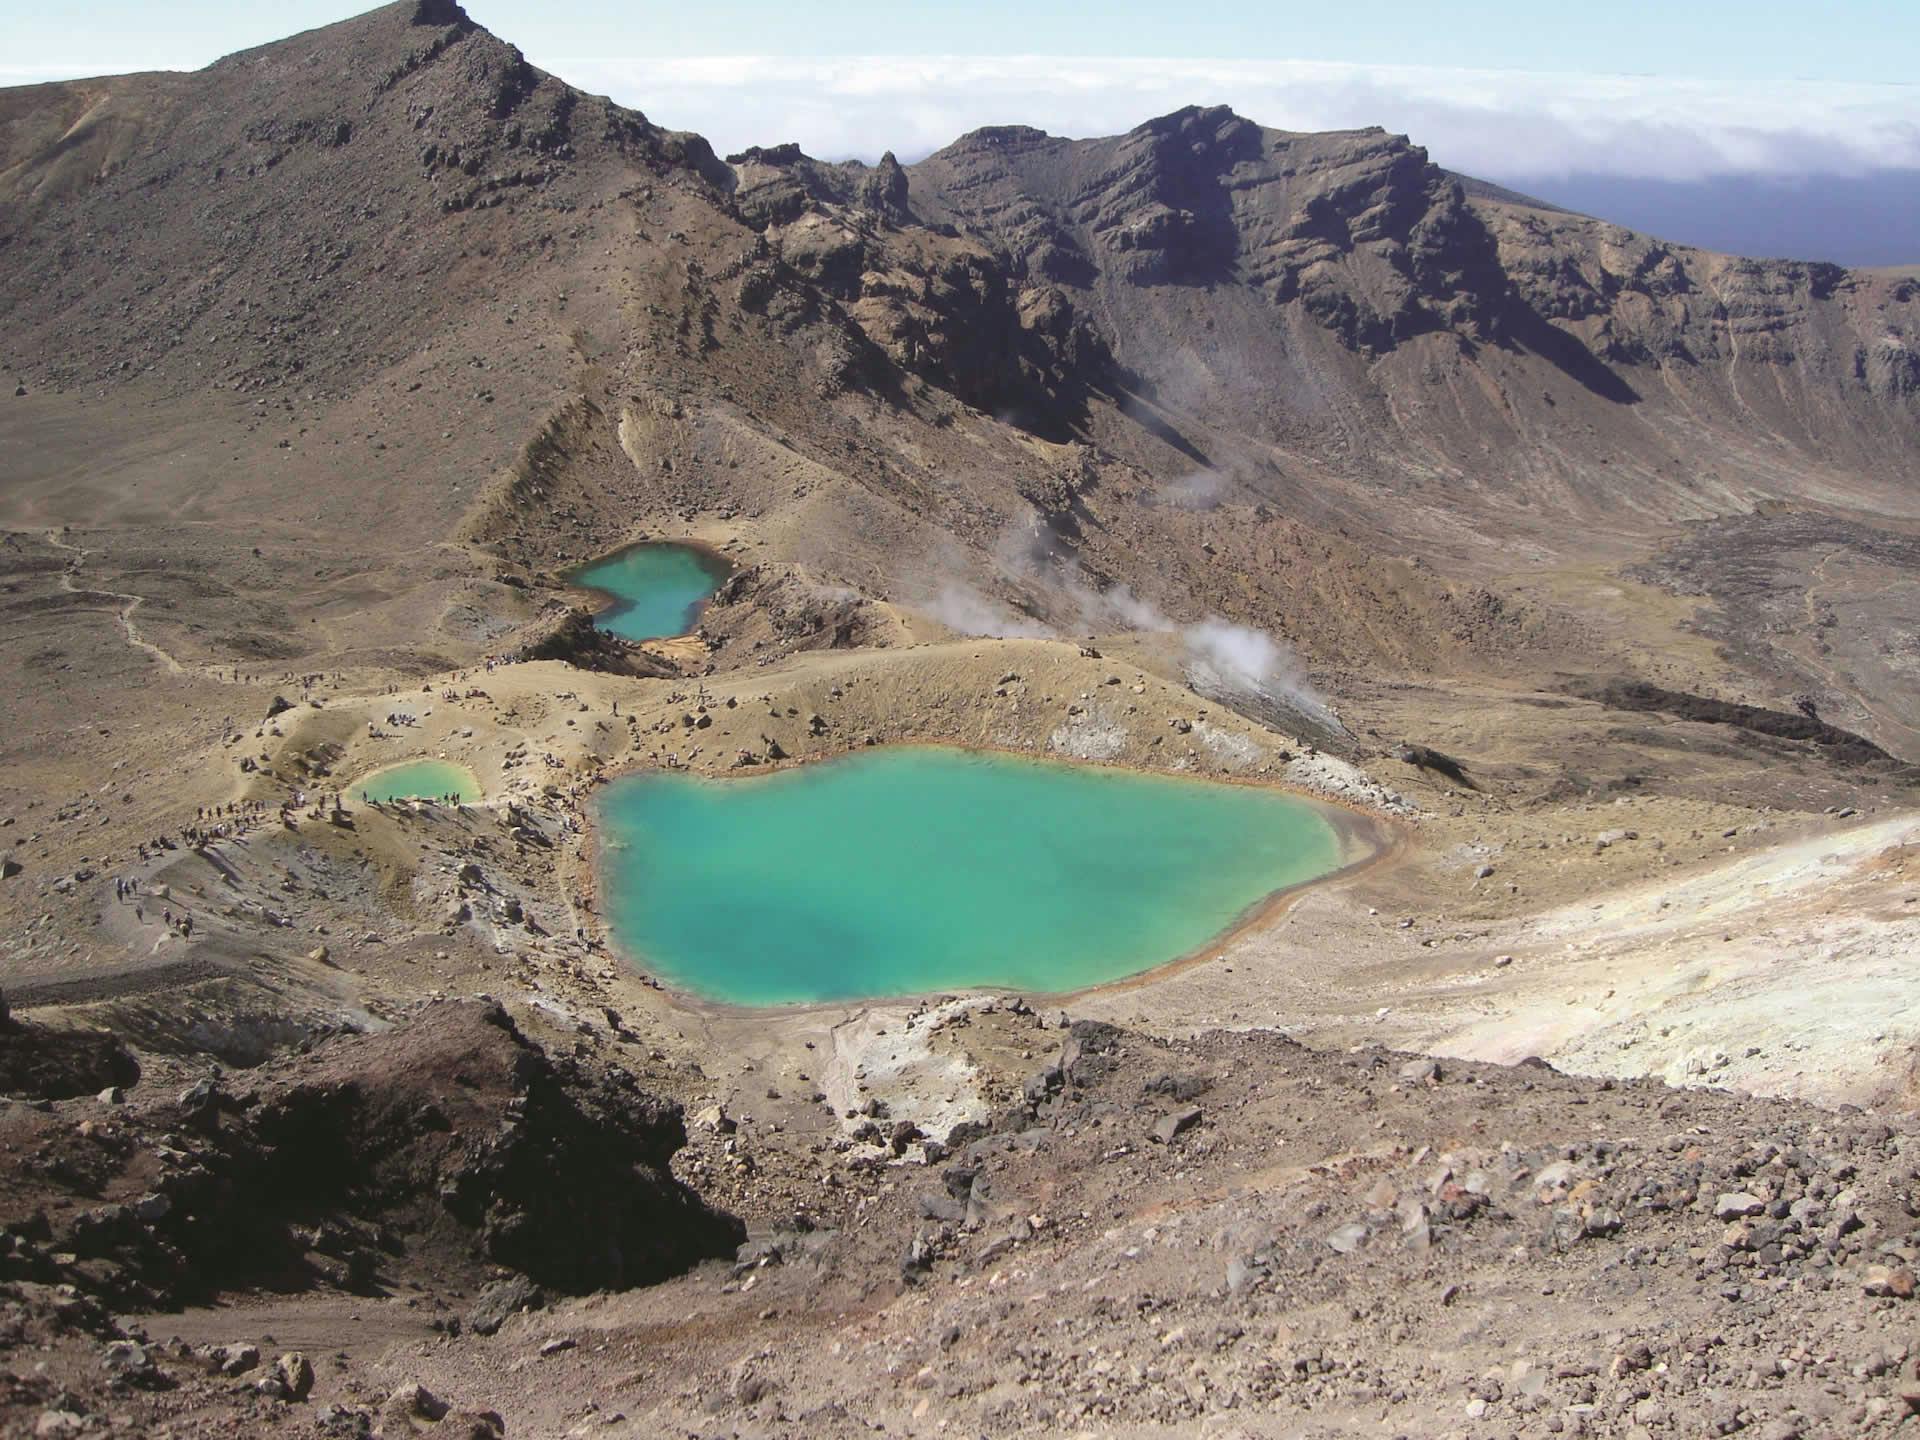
x=295, y=1373
x=500, y=1301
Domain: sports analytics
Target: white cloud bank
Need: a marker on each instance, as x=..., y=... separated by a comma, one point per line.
x=1486, y=122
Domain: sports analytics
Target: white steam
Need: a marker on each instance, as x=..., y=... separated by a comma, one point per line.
x=1220, y=656
x=1199, y=491
x=1245, y=661
x=958, y=606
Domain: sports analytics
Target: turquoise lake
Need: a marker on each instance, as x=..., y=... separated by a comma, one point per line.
x=419, y=780
x=913, y=870
x=652, y=591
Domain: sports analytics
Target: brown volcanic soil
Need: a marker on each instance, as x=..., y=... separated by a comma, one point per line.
x=1322, y=1244
x=335, y=357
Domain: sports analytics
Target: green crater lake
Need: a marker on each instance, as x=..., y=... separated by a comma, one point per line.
x=912, y=870
x=654, y=590
x=419, y=780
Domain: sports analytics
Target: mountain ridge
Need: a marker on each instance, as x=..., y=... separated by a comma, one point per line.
x=1331, y=336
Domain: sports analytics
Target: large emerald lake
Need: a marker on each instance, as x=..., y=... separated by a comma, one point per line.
x=912, y=870
x=652, y=591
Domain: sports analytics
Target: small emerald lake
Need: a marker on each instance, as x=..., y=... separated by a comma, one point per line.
x=652, y=591
x=419, y=780
x=912, y=870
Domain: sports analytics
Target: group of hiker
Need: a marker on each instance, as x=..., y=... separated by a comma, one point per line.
x=127, y=891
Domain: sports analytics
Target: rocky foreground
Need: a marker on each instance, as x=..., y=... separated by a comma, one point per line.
x=448, y=1157
x=1236, y=1235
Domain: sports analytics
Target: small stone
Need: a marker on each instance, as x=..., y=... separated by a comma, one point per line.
x=556, y=1346
x=126, y=1358
x=1172, y=1125
x=414, y=1399
x=1632, y=1360
x=499, y=1301
x=1599, y=1221
x=235, y=1359
x=1556, y=1176
x=295, y=1374
x=1895, y=1282
x=1737, y=1203
x=1348, y=1238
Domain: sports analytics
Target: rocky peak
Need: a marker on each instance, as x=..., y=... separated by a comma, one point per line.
x=883, y=189
x=1003, y=138
x=780, y=156
x=1191, y=122
x=439, y=12
x=774, y=185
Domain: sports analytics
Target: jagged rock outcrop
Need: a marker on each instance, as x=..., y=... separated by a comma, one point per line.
x=448, y=1147
x=1362, y=235
x=1372, y=239
x=38, y=1063
x=571, y=635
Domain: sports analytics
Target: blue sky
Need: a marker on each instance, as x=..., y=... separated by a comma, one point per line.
x=1754, y=41
x=1677, y=90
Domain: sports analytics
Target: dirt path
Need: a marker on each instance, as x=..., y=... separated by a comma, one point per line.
x=124, y=616
x=114, y=982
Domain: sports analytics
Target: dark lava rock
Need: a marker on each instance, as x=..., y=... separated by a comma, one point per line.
x=41, y=1064
x=1171, y=1126
x=1425, y=757
x=1843, y=747
x=575, y=639
x=1177, y=1087
x=501, y=1301
x=449, y=1147
x=541, y=1164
